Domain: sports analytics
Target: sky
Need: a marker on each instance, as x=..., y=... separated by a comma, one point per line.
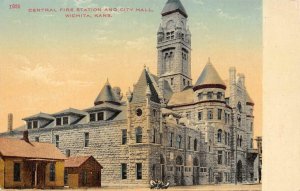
x=49, y=62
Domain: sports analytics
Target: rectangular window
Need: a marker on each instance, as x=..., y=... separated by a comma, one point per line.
x=209, y=95
x=219, y=95
x=189, y=143
x=17, y=172
x=171, y=139
x=86, y=139
x=200, y=115
x=124, y=136
x=225, y=116
x=154, y=136
x=58, y=121
x=68, y=152
x=225, y=162
x=172, y=81
x=219, y=114
x=92, y=117
x=200, y=96
x=139, y=171
x=65, y=120
x=37, y=139
x=35, y=124
x=29, y=125
x=210, y=115
x=52, y=172
x=124, y=171
x=57, y=141
x=220, y=157
x=100, y=116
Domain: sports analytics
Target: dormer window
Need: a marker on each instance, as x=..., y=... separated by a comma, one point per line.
x=29, y=125
x=62, y=121
x=35, y=124
x=65, y=120
x=100, y=116
x=93, y=117
x=58, y=121
x=170, y=35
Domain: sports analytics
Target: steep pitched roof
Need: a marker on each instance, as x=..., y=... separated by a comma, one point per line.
x=173, y=6
x=139, y=90
x=40, y=116
x=106, y=95
x=209, y=76
x=32, y=150
x=77, y=161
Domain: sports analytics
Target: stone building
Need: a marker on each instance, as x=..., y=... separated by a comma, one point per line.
x=166, y=128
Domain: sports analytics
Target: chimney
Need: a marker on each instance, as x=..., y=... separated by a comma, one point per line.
x=10, y=122
x=25, y=136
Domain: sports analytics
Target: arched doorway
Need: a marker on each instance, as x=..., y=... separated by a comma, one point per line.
x=239, y=172
x=162, y=168
x=195, y=171
x=179, y=170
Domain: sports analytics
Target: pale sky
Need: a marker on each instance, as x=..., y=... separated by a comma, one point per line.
x=49, y=63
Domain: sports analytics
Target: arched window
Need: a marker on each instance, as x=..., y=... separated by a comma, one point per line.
x=195, y=145
x=220, y=136
x=196, y=162
x=241, y=140
x=179, y=160
x=251, y=144
x=138, y=135
x=179, y=140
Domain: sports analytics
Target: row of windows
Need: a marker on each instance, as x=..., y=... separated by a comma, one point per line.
x=138, y=171
x=226, y=158
x=17, y=172
x=210, y=115
x=226, y=137
x=210, y=95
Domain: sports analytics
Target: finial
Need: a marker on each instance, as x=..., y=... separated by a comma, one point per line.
x=107, y=82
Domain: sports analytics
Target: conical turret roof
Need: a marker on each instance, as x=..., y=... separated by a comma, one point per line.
x=209, y=78
x=143, y=86
x=106, y=95
x=173, y=6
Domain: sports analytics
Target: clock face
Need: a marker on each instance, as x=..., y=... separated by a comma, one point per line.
x=239, y=106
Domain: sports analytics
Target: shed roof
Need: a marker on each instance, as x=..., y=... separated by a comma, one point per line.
x=32, y=150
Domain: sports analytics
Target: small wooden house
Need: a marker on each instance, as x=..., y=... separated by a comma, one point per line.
x=25, y=164
x=82, y=171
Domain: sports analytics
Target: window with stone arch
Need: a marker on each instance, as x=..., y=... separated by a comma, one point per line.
x=138, y=135
x=219, y=135
x=179, y=161
x=195, y=145
x=179, y=141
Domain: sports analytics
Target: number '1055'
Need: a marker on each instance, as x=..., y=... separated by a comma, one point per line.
x=15, y=6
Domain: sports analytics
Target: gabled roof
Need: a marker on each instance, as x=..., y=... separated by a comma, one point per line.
x=40, y=116
x=173, y=6
x=77, y=161
x=30, y=150
x=106, y=95
x=70, y=111
x=209, y=77
x=139, y=90
x=167, y=88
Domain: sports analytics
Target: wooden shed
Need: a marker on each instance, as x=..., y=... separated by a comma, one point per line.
x=82, y=171
x=25, y=164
